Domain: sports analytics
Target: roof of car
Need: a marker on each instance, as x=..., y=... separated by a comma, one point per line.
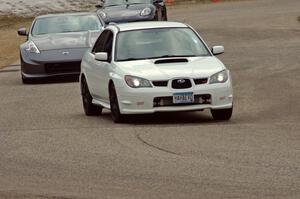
x=149, y=25
x=66, y=14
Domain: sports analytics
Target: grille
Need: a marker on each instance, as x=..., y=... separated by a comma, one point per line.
x=62, y=67
x=168, y=101
x=160, y=83
x=200, y=81
x=181, y=83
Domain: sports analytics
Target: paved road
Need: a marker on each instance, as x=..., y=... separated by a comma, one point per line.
x=48, y=148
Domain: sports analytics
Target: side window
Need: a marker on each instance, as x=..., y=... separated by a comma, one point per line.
x=99, y=45
x=104, y=44
x=108, y=45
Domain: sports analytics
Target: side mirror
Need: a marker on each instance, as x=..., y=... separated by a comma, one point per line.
x=217, y=50
x=100, y=4
x=22, y=32
x=101, y=56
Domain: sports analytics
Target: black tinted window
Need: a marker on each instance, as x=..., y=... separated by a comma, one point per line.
x=104, y=43
x=99, y=45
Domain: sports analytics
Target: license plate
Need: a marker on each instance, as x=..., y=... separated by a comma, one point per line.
x=183, y=98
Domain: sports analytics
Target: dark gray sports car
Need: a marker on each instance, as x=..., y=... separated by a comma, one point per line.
x=120, y=11
x=56, y=44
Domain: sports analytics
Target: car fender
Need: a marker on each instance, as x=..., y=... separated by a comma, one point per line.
x=117, y=80
x=23, y=51
x=83, y=70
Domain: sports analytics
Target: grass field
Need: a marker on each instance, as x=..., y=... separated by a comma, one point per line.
x=9, y=40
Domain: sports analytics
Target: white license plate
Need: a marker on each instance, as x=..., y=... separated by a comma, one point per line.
x=183, y=98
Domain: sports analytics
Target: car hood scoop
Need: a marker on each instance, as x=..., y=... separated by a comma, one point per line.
x=171, y=60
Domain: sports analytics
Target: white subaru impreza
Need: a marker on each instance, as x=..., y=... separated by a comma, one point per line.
x=147, y=67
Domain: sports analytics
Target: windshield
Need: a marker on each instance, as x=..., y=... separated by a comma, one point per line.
x=63, y=24
x=108, y=3
x=159, y=43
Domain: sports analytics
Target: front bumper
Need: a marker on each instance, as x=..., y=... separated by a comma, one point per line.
x=34, y=70
x=51, y=63
x=142, y=100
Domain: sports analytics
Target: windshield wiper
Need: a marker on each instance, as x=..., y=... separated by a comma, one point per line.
x=134, y=3
x=130, y=59
x=114, y=5
x=68, y=31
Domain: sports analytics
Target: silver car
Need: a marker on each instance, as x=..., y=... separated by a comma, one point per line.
x=56, y=43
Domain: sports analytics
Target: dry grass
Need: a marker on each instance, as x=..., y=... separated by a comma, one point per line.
x=9, y=40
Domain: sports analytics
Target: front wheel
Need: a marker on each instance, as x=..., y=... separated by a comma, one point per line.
x=116, y=115
x=165, y=18
x=222, y=114
x=165, y=15
x=158, y=15
x=89, y=108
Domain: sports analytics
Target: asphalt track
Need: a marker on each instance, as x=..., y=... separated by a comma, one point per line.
x=50, y=149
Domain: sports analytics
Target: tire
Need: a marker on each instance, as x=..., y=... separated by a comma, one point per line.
x=116, y=115
x=222, y=114
x=165, y=15
x=89, y=108
x=159, y=15
x=165, y=18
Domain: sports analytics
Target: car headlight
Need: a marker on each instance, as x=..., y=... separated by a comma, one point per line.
x=137, y=82
x=103, y=15
x=146, y=12
x=32, y=48
x=219, y=77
